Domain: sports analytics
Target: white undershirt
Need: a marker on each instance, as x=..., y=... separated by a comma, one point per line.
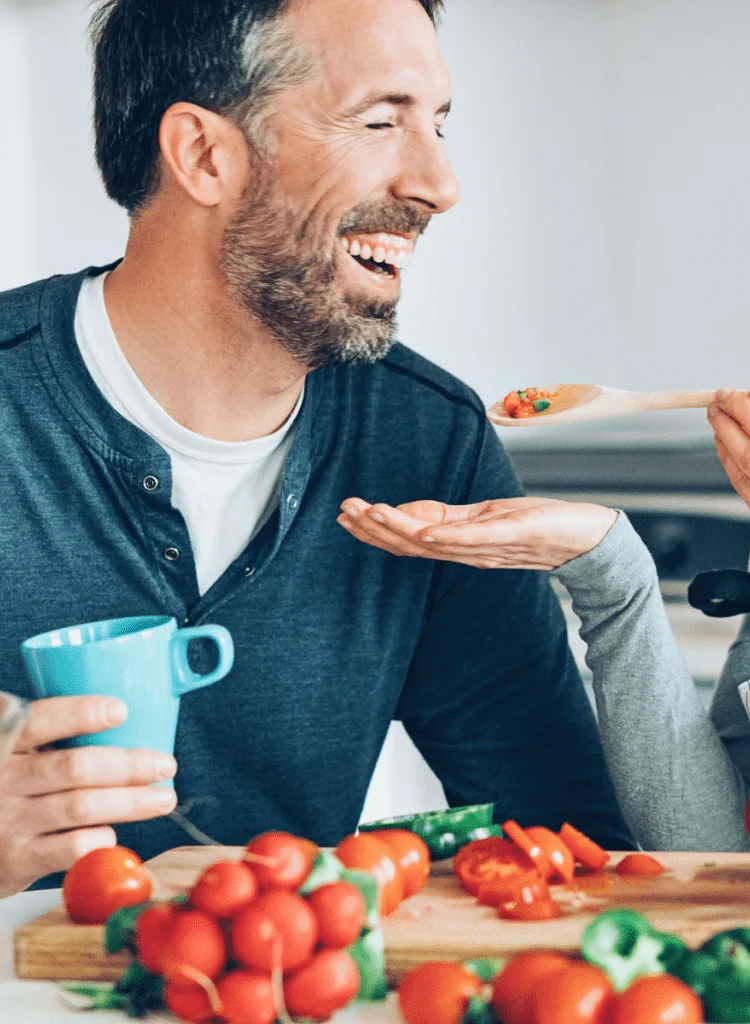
x=225, y=490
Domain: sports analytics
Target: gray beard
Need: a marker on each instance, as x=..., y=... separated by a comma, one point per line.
x=295, y=298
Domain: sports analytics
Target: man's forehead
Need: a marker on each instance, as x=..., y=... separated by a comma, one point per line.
x=374, y=44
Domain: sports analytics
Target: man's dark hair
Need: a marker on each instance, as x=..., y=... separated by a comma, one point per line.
x=229, y=56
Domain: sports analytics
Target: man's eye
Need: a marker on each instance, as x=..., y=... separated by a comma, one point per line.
x=381, y=125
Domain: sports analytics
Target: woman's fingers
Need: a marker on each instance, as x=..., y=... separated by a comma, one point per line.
x=739, y=480
x=382, y=536
x=735, y=404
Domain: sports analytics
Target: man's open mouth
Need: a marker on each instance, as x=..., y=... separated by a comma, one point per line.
x=383, y=254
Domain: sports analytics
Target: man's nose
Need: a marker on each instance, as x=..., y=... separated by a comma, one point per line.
x=427, y=177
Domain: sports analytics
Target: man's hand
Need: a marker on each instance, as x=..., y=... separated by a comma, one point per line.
x=511, y=533
x=56, y=805
x=729, y=416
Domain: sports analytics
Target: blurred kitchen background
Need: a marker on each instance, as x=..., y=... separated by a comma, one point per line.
x=603, y=236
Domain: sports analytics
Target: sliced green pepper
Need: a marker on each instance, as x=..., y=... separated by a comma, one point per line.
x=541, y=404
x=625, y=945
x=444, y=832
x=720, y=974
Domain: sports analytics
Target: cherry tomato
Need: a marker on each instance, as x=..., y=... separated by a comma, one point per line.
x=223, y=888
x=277, y=918
x=187, y=1000
x=588, y=853
x=363, y=853
x=511, y=402
x=438, y=993
x=341, y=912
x=513, y=990
x=195, y=940
x=247, y=998
x=503, y=890
x=412, y=856
x=489, y=861
x=329, y=982
x=582, y=994
x=293, y=858
x=658, y=999
x=556, y=852
x=103, y=881
x=151, y=931
x=530, y=847
x=640, y=865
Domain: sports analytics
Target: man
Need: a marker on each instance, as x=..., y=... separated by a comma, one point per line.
x=179, y=434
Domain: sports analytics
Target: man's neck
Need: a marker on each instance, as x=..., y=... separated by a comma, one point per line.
x=203, y=358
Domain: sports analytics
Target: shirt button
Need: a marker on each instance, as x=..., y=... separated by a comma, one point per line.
x=292, y=502
x=171, y=554
x=150, y=483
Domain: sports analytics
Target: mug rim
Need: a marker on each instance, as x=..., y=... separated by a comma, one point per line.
x=42, y=641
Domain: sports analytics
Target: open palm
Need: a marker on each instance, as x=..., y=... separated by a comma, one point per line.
x=508, y=533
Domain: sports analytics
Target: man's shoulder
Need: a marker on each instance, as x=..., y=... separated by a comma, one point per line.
x=20, y=313
x=427, y=382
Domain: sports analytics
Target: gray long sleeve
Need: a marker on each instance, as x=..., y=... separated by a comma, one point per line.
x=677, y=786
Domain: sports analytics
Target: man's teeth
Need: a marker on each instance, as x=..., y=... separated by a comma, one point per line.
x=378, y=255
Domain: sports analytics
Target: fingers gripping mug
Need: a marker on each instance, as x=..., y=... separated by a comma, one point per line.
x=142, y=661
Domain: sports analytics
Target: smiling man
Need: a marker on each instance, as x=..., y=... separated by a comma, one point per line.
x=179, y=432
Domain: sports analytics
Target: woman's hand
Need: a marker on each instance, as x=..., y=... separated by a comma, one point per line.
x=729, y=416
x=510, y=533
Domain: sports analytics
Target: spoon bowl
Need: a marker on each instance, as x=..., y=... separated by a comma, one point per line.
x=574, y=403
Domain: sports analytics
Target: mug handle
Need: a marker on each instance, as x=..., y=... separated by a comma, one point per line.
x=185, y=680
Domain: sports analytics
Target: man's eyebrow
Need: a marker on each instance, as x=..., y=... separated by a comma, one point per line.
x=394, y=99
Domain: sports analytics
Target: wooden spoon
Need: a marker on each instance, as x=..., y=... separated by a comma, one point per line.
x=572, y=403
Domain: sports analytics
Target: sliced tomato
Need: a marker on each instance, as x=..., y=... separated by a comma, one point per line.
x=490, y=865
x=588, y=853
x=543, y=909
x=504, y=890
x=493, y=845
x=641, y=865
x=530, y=847
x=556, y=852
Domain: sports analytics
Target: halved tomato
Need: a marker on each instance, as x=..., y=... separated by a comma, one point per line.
x=588, y=853
x=503, y=890
x=556, y=852
x=640, y=865
x=489, y=864
x=530, y=847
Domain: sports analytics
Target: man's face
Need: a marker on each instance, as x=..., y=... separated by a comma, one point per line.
x=357, y=171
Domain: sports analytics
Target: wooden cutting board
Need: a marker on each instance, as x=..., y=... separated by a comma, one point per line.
x=700, y=894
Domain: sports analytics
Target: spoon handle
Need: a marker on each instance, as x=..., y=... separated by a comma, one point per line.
x=676, y=399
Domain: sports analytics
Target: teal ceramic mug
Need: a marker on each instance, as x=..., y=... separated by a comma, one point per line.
x=143, y=661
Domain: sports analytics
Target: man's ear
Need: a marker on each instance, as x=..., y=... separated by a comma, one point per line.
x=207, y=156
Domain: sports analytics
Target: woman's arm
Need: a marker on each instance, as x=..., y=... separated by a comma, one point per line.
x=676, y=785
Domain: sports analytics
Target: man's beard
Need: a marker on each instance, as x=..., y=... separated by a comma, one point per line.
x=295, y=297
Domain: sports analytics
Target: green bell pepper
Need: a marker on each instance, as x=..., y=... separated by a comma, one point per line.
x=445, y=832
x=625, y=945
x=719, y=972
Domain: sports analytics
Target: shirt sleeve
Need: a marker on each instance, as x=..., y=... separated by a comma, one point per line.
x=727, y=709
x=675, y=781
x=493, y=699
